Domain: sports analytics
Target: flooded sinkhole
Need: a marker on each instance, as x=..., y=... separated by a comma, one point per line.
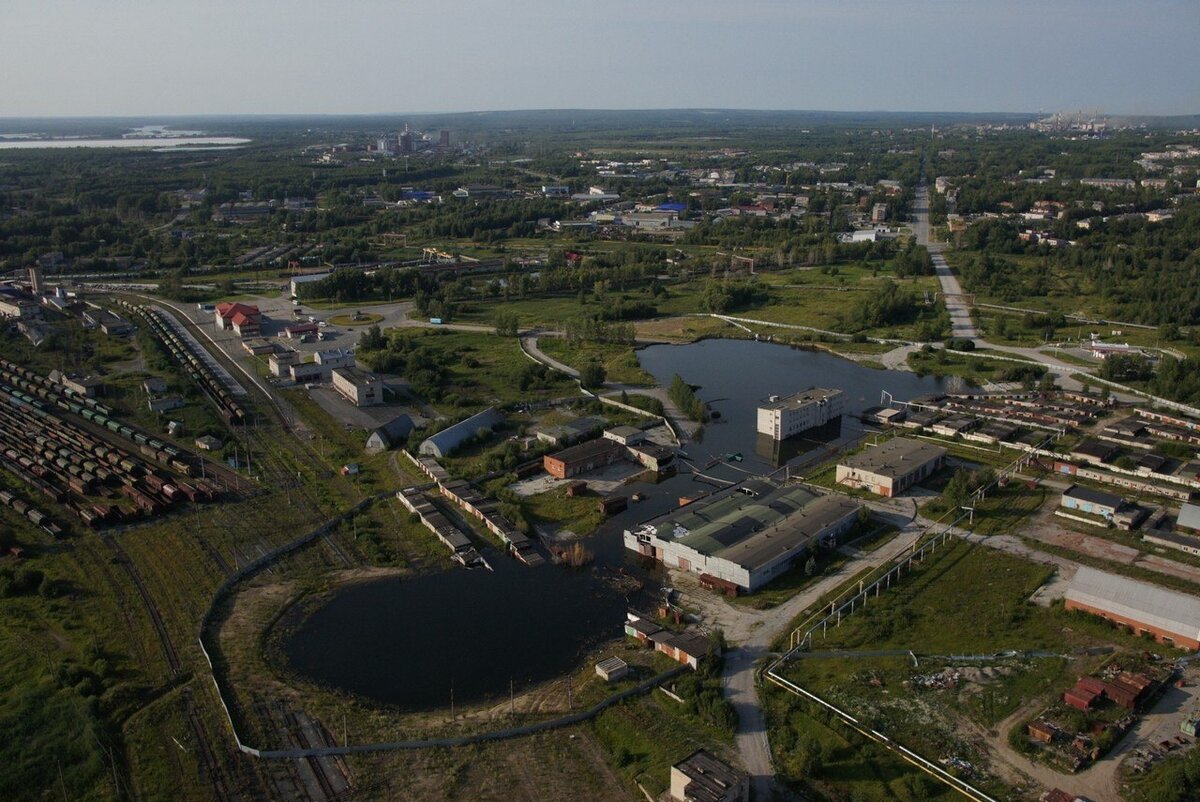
x=411, y=642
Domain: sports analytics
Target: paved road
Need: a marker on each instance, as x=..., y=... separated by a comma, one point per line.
x=750, y=633
x=961, y=324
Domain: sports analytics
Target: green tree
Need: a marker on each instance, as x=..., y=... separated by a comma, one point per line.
x=592, y=376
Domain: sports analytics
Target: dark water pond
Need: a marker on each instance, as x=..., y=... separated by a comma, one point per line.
x=412, y=643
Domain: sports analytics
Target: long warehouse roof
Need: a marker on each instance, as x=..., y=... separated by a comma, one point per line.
x=1168, y=610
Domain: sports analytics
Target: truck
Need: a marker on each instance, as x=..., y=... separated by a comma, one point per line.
x=437, y=321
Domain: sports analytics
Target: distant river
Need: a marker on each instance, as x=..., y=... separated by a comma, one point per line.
x=160, y=143
x=412, y=643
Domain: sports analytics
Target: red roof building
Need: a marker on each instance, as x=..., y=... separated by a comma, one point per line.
x=300, y=329
x=1080, y=699
x=244, y=319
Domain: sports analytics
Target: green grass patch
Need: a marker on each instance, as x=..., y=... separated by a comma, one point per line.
x=620, y=361
x=581, y=514
x=360, y=319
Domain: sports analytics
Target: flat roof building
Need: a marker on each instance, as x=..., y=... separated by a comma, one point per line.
x=701, y=777
x=1171, y=617
x=1189, y=518
x=1093, y=502
x=279, y=362
x=625, y=435
x=307, y=278
x=746, y=534
x=335, y=358
x=583, y=458
x=795, y=414
x=358, y=387
x=891, y=468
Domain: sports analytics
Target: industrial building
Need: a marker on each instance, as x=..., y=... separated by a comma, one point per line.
x=335, y=358
x=682, y=647
x=625, y=435
x=659, y=459
x=1170, y=617
x=700, y=777
x=443, y=443
x=1113, y=509
x=18, y=305
x=891, y=468
x=358, y=387
x=280, y=361
x=782, y=418
x=744, y=535
x=583, y=458
x=572, y=431
x=390, y=434
x=307, y=278
x=1189, y=519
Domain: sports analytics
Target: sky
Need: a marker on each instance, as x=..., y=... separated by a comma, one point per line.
x=167, y=57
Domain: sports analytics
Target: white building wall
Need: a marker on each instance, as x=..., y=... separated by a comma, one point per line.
x=790, y=421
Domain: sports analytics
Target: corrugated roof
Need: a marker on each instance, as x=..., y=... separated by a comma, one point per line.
x=445, y=441
x=1167, y=610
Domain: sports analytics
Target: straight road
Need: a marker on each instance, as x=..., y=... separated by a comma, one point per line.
x=961, y=324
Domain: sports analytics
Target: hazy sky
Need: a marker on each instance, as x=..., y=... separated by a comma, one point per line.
x=119, y=57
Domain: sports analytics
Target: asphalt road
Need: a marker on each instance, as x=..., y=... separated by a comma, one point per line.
x=961, y=324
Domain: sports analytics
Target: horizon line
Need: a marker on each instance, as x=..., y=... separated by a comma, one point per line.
x=583, y=109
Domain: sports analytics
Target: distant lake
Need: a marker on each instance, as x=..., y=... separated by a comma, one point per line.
x=159, y=143
x=413, y=642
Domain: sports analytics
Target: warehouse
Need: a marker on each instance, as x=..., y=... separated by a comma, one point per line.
x=1093, y=502
x=583, y=458
x=1189, y=519
x=390, y=434
x=358, y=387
x=1170, y=617
x=782, y=418
x=443, y=443
x=746, y=534
x=891, y=468
x=1108, y=508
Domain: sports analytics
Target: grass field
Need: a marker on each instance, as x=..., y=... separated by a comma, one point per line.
x=620, y=361
x=580, y=514
x=645, y=736
x=965, y=600
x=482, y=369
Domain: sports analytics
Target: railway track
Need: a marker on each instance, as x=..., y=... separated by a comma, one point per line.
x=208, y=759
x=156, y=619
x=209, y=765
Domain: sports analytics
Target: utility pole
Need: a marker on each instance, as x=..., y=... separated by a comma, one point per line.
x=512, y=700
x=62, y=786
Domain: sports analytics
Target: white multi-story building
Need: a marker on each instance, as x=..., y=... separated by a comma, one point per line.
x=782, y=418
